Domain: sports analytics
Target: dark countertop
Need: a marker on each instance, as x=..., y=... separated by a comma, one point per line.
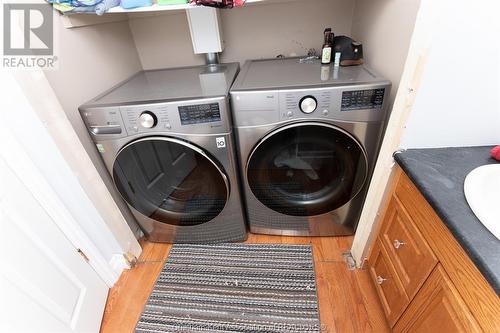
x=439, y=173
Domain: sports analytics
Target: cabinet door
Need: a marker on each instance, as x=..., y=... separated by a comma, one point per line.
x=389, y=288
x=408, y=251
x=437, y=307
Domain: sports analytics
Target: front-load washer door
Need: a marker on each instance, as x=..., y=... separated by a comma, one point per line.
x=306, y=169
x=171, y=181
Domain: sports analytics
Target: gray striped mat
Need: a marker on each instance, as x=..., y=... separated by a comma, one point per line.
x=234, y=288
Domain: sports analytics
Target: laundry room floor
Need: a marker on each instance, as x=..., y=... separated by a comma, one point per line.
x=347, y=299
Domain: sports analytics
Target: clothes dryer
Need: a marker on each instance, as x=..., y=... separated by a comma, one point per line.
x=308, y=137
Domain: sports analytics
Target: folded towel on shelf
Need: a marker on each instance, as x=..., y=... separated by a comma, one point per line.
x=76, y=3
x=128, y=4
x=84, y=6
x=68, y=9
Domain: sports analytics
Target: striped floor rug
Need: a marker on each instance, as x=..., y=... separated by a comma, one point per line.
x=234, y=288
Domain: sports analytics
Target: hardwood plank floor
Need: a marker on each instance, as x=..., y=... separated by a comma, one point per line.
x=347, y=299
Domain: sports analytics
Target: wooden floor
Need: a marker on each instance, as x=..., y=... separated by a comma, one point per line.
x=347, y=299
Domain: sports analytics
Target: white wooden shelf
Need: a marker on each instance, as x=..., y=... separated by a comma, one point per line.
x=159, y=8
x=116, y=14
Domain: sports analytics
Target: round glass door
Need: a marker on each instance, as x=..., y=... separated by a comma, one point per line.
x=306, y=169
x=170, y=181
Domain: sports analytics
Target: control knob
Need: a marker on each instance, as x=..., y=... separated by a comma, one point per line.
x=147, y=119
x=308, y=104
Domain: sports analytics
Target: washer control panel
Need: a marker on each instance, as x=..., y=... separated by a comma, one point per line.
x=204, y=116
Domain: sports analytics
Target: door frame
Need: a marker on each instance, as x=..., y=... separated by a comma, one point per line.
x=428, y=18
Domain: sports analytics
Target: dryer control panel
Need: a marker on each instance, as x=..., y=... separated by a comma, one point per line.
x=203, y=116
x=360, y=102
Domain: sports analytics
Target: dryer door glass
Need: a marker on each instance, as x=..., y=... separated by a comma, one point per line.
x=170, y=181
x=307, y=169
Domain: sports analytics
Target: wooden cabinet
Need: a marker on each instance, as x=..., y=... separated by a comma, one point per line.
x=412, y=257
x=424, y=279
x=438, y=307
x=389, y=288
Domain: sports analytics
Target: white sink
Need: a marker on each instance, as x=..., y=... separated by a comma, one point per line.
x=482, y=191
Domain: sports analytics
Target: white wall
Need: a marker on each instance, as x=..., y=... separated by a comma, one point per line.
x=266, y=30
x=384, y=27
x=250, y=32
x=163, y=40
x=458, y=103
x=92, y=59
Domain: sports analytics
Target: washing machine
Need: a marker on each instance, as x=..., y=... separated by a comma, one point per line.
x=166, y=139
x=308, y=137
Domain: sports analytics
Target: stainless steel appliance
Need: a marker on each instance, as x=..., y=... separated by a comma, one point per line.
x=166, y=138
x=308, y=137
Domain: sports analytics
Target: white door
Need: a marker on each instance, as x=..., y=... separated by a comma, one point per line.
x=45, y=284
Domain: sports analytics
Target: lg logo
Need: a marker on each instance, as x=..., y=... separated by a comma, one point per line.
x=36, y=35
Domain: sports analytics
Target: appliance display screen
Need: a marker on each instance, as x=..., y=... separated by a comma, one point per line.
x=362, y=99
x=198, y=114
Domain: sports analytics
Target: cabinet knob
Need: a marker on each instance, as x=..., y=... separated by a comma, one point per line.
x=380, y=279
x=398, y=243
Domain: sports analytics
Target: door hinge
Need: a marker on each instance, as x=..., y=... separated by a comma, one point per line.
x=84, y=256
